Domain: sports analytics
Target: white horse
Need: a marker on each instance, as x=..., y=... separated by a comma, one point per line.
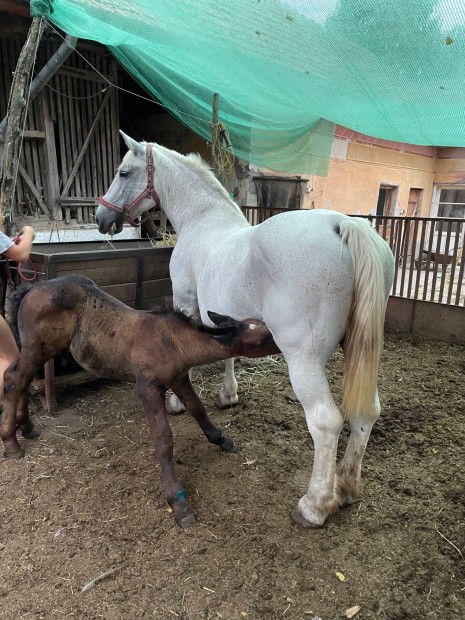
x=317, y=278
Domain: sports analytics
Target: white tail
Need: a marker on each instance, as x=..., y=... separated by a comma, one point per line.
x=363, y=339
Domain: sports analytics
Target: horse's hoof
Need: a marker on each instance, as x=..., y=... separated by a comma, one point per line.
x=298, y=518
x=33, y=433
x=174, y=406
x=228, y=405
x=228, y=445
x=19, y=454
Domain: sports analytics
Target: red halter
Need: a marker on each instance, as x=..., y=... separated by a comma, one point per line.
x=149, y=192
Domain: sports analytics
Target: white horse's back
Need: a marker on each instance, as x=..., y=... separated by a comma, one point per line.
x=293, y=267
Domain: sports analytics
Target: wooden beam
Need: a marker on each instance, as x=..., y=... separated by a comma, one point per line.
x=34, y=190
x=15, y=7
x=52, y=183
x=38, y=386
x=83, y=74
x=34, y=134
x=17, y=110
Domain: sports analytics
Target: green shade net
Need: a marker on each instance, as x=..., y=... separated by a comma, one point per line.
x=287, y=71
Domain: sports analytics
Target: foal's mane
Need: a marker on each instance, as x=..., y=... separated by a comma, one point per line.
x=192, y=321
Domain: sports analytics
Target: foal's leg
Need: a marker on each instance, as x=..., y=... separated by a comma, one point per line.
x=183, y=388
x=152, y=397
x=23, y=420
x=29, y=365
x=324, y=422
x=16, y=381
x=349, y=470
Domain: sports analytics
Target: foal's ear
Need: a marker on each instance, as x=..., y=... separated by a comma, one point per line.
x=219, y=319
x=225, y=336
x=132, y=144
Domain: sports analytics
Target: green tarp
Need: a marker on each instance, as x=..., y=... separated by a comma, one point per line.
x=287, y=71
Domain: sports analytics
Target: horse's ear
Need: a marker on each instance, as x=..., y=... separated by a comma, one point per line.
x=132, y=144
x=219, y=319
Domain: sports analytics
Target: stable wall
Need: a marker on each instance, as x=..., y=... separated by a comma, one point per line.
x=428, y=319
x=357, y=171
x=450, y=166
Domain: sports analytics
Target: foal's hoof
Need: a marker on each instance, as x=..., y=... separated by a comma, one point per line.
x=182, y=511
x=187, y=520
x=19, y=454
x=298, y=518
x=32, y=434
x=184, y=515
x=228, y=445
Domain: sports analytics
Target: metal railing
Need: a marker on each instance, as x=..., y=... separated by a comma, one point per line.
x=428, y=251
x=429, y=256
x=257, y=215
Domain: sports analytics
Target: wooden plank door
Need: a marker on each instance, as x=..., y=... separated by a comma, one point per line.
x=86, y=120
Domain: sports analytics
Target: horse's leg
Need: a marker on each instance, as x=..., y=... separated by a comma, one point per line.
x=349, y=470
x=152, y=397
x=174, y=404
x=228, y=394
x=183, y=388
x=324, y=422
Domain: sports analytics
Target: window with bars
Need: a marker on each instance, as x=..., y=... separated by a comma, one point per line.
x=452, y=204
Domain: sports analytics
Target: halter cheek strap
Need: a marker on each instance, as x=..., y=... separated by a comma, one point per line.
x=149, y=192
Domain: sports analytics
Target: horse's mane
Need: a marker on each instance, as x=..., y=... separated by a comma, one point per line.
x=195, y=162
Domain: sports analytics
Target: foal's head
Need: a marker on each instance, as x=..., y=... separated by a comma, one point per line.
x=250, y=337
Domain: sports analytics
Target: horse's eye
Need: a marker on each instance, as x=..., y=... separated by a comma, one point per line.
x=123, y=173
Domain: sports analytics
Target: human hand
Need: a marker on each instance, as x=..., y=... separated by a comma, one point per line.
x=28, y=231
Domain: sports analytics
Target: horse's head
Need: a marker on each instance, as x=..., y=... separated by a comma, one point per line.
x=250, y=337
x=131, y=193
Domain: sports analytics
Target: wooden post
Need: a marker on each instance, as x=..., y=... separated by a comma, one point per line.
x=17, y=110
x=216, y=139
x=49, y=382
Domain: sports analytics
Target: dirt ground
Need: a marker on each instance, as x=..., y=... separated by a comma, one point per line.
x=87, y=499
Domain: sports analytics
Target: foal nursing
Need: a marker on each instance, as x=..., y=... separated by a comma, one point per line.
x=111, y=340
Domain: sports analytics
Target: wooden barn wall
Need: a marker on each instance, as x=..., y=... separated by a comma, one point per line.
x=71, y=143
x=139, y=277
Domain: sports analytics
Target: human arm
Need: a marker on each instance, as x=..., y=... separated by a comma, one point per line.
x=20, y=250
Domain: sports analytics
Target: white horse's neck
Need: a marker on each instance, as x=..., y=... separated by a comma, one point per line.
x=191, y=196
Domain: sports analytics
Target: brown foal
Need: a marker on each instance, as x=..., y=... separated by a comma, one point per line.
x=111, y=340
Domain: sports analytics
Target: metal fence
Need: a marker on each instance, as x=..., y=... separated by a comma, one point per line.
x=429, y=254
x=257, y=215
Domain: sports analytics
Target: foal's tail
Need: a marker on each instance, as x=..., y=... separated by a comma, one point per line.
x=15, y=301
x=363, y=341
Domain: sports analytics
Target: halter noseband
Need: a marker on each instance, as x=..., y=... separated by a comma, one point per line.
x=149, y=192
